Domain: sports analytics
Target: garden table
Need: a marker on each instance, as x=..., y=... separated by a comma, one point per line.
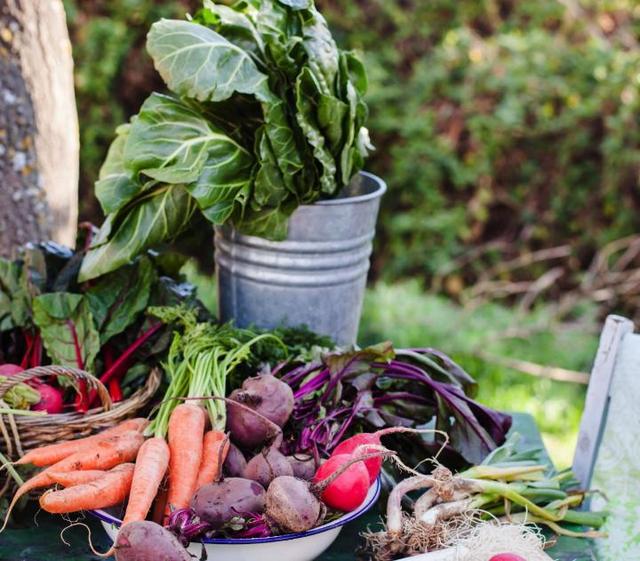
x=39, y=538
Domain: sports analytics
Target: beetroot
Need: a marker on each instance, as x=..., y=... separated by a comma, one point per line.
x=218, y=503
x=51, y=399
x=269, y=397
x=148, y=541
x=266, y=466
x=303, y=466
x=235, y=463
x=292, y=506
x=507, y=557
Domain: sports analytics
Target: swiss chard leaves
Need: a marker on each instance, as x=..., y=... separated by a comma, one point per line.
x=115, y=186
x=157, y=216
x=67, y=329
x=197, y=62
x=10, y=286
x=297, y=4
x=268, y=114
x=117, y=300
x=171, y=141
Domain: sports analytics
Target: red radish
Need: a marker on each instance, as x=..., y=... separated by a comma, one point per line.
x=51, y=399
x=349, y=490
x=507, y=557
x=364, y=439
x=10, y=369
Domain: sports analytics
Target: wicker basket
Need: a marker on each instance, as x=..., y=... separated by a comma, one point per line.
x=20, y=433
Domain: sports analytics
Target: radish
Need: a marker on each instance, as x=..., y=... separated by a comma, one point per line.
x=349, y=490
x=364, y=439
x=51, y=399
x=10, y=369
x=507, y=557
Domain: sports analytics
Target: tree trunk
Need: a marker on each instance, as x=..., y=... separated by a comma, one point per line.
x=39, y=146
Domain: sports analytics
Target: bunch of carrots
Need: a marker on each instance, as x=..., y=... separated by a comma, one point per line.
x=120, y=465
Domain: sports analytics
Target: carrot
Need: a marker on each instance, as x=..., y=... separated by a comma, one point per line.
x=185, y=435
x=151, y=465
x=104, y=454
x=49, y=455
x=110, y=490
x=214, y=453
x=72, y=478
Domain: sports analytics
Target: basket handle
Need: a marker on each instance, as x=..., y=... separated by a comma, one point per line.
x=66, y=372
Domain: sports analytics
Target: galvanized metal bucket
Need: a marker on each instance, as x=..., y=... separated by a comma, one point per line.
x=316, y=277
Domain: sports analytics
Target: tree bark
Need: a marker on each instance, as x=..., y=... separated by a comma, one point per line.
x=39, y=143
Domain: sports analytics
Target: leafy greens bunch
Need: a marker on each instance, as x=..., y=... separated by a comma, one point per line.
x=265, y=113
x=47, y=317
x=345, y=393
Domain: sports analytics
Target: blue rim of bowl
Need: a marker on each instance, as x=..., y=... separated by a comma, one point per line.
x=349, y=517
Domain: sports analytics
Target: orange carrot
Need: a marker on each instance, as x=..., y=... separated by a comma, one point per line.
x=71, y=478
x=110, y=490
x=49, y=455
x=214, y=453
x=104, y=454
x=185, y=435
x=151, y=465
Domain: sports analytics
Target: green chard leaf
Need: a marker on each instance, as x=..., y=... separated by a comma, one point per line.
x=10, y=275
x=115, y=186
x=322, y=52
x=236, y=26
x=332, y=113
x=283, y=142
x=280, y=30
x=270, y=223
x=171, y=141
x=307, y=90
x=67, y=329
x=17, y=290
x=159, y=215
x=197, y=62
x=117, y=299
x=269, y=186
x=297, y=4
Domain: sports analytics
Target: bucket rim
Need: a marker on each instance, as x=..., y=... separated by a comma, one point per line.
x=379, y=191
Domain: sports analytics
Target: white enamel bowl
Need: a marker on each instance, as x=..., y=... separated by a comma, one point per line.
x=303, y=546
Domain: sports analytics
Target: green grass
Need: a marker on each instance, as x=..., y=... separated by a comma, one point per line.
x=406, y=315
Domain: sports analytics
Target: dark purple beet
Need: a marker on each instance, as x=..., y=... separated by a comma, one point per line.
x=304, y=466
x=235, y=463
x=269, y=397
x=266, y=466
x=217, y=503
x=292, y=506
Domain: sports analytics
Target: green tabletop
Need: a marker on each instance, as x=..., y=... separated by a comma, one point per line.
x=39, y=539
